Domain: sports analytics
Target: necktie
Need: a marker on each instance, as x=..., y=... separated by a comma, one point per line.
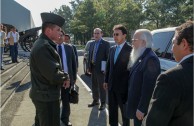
x=94, y=52
x=60, y=54
x=116, y=54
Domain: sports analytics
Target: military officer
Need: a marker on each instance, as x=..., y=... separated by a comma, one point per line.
x=47, y=74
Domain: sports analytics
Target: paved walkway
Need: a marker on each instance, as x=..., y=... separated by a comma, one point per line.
x=81, y=115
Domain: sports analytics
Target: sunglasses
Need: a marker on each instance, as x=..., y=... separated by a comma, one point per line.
x=116, y=34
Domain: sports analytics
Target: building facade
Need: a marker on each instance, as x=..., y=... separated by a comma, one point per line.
x=14, y=14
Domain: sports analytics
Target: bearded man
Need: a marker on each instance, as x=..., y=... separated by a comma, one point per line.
x=144, y=67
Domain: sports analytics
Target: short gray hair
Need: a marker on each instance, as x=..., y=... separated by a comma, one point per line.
x=146, y=35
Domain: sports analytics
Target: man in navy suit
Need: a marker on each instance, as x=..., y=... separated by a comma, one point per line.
x=68, y=61
x=144, y=69
x=98, y=53
x=67, y=40
x=116, y=79
x=172, y=100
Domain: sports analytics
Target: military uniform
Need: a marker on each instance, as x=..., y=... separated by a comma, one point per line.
x=47, y=77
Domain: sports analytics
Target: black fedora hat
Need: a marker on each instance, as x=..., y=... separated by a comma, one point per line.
x=52, y=18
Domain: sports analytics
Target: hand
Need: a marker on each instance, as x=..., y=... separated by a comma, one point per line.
x=105, y=86
x=139, y=115
x=88, y=71
x=66, y=84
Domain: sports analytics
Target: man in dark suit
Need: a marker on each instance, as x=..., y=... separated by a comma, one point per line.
x=144, y=69
x=98, y=54
x=69, y=66
x=47, y=75
x=67, y=40
x=172, y=100
x=116, y=79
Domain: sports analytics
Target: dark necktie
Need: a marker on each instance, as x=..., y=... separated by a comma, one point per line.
x=60, y=54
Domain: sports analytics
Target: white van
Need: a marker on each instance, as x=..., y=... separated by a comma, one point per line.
x=162, y=45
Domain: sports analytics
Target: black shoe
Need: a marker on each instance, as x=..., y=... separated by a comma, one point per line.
x=102, y=106
x=2, y=68
x=93, y=104
x=67, y=123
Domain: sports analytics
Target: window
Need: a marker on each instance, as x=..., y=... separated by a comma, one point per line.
x=162, y=43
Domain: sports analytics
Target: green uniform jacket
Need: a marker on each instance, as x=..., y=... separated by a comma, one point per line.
x=47, y=75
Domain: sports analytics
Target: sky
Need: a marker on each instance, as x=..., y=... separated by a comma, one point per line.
x=38, y=6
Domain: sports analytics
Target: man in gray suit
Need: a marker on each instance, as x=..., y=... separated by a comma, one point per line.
x=67, y=40
x=98, y=52
x=69, y=66
x=172, y=100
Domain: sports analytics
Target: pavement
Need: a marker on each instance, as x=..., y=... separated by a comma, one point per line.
x=81, y=115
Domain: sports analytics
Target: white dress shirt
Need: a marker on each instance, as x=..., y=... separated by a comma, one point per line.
x=65, y=68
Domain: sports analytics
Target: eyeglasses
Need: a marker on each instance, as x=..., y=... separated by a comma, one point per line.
x=133, y=40
x=116, y=34
x=96, y=33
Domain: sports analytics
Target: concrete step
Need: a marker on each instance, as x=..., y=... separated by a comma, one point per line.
x=10, y=110
x=14, y=80
x=12, y=84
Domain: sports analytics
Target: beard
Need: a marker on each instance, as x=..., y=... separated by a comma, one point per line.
x=135, y=54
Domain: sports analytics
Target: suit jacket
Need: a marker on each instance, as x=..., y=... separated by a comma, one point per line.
x=71, y=65
x=117, y=74
x=71, y=62
x=76, y=55
x=101, y=55
x=46, y=70
x=172, y=100
x=142, y=79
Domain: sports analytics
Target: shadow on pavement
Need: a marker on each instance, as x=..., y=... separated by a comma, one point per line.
x=100, y=117
x=23, y=87
x=87, y=80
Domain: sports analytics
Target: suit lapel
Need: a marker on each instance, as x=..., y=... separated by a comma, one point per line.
x=100, y=46
x=135, y=65
x=120, y=54
x=112, y=55
x=139, y=60
x=91, y=50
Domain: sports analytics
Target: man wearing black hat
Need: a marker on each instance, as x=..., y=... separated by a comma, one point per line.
x=47, y=74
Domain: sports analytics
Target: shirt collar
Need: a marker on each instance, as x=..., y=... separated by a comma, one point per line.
x=121, y=45
x=186, y=57
x=98, y=40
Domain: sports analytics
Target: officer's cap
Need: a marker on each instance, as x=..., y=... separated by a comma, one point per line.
x=52, y=18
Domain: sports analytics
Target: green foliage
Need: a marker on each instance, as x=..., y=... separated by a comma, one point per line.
x=85, y=15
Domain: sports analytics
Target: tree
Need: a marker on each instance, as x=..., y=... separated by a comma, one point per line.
x=66, y=13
